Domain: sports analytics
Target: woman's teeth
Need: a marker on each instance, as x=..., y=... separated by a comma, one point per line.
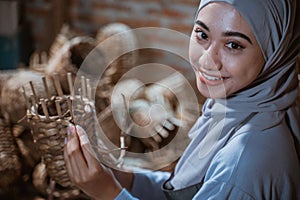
x=212, y=78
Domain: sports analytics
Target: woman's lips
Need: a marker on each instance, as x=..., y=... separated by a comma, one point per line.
x=211, y=80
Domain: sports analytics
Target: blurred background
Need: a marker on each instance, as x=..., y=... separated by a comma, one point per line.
x=31, y=29
x=32, y=25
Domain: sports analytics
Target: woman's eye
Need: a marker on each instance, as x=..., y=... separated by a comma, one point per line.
x=200, y=35
x=234, y=45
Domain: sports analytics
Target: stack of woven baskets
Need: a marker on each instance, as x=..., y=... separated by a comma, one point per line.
x=45, y=111
x=37, y=105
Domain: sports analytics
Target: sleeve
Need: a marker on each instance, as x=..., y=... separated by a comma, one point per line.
x=147, y=186
x=125, y=195
x=214, y=190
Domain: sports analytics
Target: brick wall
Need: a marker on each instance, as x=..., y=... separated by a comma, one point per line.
x=88, y=16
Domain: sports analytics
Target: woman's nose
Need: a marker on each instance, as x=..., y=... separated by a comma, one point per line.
x=210, y=59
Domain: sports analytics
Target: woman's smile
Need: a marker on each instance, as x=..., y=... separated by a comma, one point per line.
x=210, y=79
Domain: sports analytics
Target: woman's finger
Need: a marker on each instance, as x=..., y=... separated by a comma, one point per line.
x=76, y=158
x=176, y=122
x=67, y=162
x=87, y=149
x=161, y=131
x=157, y=138
x=168, y=125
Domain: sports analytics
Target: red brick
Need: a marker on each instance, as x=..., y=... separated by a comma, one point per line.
x=139, y=1
x=112, y=6
x=173, y=13
x=183, y=28
x=188, y=2
x=89, y=19
x=166, y=13
x=136, y=23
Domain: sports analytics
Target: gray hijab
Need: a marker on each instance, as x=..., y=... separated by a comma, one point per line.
x=272, y=96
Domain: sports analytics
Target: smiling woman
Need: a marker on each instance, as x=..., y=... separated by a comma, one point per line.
x=223, y=53
x=246, y=143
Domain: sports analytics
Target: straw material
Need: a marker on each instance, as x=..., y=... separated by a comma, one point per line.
x=49, y=120
x=116, y=63
x=10, y=166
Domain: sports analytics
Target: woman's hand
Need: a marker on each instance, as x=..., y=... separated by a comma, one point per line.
x=152, y=123
x=85, y=171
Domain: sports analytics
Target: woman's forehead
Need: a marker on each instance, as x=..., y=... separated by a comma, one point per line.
x=268, y=19
x=224, y=17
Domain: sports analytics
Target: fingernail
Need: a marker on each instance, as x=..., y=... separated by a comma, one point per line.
x=66, y=140
x=78, y=127
x=70, y=129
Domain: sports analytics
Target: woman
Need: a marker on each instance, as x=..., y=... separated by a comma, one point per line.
x=246, y=145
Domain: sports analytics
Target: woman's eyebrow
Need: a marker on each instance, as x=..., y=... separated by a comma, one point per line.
x=237, y=34
x=200, y=23
x=227, y=33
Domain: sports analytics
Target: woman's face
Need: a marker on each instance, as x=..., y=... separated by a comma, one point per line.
x=223, y=51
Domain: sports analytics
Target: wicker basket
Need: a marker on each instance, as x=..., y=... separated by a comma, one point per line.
x=49, y=119
x=10, y=165
x=49, y=134
x=120, y=38
x=13, y=106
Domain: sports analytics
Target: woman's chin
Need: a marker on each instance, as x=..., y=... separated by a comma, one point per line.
x=212, y=92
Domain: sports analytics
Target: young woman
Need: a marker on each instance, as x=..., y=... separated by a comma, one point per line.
x=246, y=144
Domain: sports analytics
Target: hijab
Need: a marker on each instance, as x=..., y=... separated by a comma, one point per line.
x=265, y=103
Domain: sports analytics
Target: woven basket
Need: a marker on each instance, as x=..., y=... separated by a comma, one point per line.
x=69, y=59
x=49, y=119
x=65, y=35
x=49, y=134
x=10, y=165
x=120, y=38
x=13, y=105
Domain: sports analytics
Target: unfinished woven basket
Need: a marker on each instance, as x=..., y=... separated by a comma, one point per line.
x=13, y=106
x=49, y=119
